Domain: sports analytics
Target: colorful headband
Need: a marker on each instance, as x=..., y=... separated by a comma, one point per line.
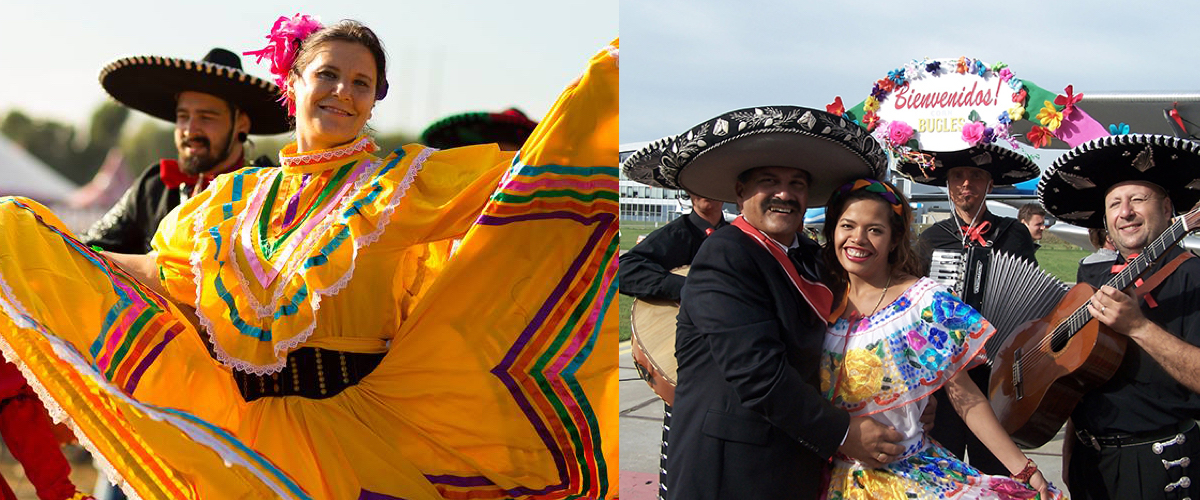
x=872, y=186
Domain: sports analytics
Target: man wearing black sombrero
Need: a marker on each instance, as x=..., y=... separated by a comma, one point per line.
x=214, y=105
x=1135, y=436
x=749, y=421
x=507, y=129
x=969, y=176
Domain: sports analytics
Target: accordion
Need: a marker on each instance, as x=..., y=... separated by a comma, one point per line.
x=1007, y=290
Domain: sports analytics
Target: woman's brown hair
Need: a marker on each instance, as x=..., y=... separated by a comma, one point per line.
x=903, y=258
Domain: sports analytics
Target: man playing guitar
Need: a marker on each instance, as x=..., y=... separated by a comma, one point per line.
x=1135, y=436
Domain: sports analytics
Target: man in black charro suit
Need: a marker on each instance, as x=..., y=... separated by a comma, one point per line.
x=214, y=105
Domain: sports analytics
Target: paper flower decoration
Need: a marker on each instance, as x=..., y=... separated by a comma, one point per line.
x=932, y=67
x=999, y=66
x=1019, y=96
x=1118, y=129
x=897, y=76
x=886, y=84
x=877, y=92
x=871, y=104
x=972, y=133
x=836, y=107
x=1004, y=118
x=979, y=68
x=870, y=120
x=1068, y=101
x=963, y=66
x=1005, y=74
x=1049, y=116
x=1016, y=113
x=1003, y=131
x=1039, y=137
x=1016, y=84
x=899, y=133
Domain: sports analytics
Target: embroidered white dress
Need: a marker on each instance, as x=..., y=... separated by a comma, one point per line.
x=886, y=366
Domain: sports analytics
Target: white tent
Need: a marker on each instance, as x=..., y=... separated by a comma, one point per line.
x=24, y=175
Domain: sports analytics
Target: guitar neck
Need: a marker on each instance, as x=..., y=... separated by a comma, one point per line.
x=1124, y=279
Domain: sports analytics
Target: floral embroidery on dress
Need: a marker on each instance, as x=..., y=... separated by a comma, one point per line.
x=901, y=353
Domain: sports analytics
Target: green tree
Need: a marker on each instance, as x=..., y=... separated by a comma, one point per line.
x=148, y=144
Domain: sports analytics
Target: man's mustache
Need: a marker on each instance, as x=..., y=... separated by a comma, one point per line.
x=776, y=202
x=198, y=141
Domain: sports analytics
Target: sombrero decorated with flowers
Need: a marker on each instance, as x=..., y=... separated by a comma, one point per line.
x=465, y=129
x=1006, y=166
x=707, y=159
x=1073, y=188
x=936, y=114
x=151, y=84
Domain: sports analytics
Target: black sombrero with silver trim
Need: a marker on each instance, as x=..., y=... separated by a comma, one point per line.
x=643, y=165
x=1007, y=167
x=151, y=84
x=707, y=159
x=1073, y=188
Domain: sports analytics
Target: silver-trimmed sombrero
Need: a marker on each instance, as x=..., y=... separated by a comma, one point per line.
x=707, y=159
x=1073, y=188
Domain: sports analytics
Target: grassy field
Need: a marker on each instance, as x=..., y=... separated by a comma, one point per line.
x=1056, y=257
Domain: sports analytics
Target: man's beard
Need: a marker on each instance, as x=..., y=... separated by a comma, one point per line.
x=196, y=164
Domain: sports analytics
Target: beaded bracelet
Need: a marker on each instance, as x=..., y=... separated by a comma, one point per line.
x=1026, y=473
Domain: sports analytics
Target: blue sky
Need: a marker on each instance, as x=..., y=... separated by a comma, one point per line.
x=684, y=61
x=443, y=57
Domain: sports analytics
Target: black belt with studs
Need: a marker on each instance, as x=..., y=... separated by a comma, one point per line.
x=311, y=372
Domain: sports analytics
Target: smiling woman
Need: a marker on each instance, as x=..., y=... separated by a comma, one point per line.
x=336, y=349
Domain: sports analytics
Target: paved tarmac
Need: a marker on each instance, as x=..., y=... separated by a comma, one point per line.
x=641, y=414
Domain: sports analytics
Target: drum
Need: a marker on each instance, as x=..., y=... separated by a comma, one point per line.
x=653, y=342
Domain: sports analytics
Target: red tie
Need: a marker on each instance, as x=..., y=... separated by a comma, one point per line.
x=1116, y=268
x=976, y=233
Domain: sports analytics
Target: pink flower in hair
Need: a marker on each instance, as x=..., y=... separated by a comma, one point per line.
x=285, y=38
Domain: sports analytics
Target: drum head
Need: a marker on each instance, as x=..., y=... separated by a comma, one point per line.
x=653, y=342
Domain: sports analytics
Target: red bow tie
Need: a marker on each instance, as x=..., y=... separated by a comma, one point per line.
x=1116, y=268
x=976, y=233
x=172, y=176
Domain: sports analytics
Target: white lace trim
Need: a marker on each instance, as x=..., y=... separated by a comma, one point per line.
x=364, y=144
x=285, y=346
x=12, y=308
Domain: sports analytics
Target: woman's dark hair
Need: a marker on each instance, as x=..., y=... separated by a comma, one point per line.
x=345, y=31
x=903, y=258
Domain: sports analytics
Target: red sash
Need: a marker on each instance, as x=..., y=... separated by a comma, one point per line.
x=816, y=294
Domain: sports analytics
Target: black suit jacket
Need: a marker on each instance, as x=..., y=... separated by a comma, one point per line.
x=129, y=225
x=749, y=421
x=645, y=270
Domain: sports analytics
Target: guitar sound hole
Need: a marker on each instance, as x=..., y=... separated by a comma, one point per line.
x=1058, y=341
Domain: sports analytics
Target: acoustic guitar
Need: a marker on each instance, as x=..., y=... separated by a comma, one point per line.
x=1044, y=368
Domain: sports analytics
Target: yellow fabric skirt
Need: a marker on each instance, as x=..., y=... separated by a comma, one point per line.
x=500, y=384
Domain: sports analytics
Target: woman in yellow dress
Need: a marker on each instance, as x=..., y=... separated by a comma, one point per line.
x=303, y=332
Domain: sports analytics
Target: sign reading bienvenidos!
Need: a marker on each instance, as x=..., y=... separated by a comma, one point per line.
x=938, y=97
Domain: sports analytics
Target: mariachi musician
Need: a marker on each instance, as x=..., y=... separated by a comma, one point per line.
x=1135, y=436
x=969, y=176
x=645, y=270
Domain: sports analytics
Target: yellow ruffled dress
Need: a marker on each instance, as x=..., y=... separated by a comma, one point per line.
x=499, y=379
